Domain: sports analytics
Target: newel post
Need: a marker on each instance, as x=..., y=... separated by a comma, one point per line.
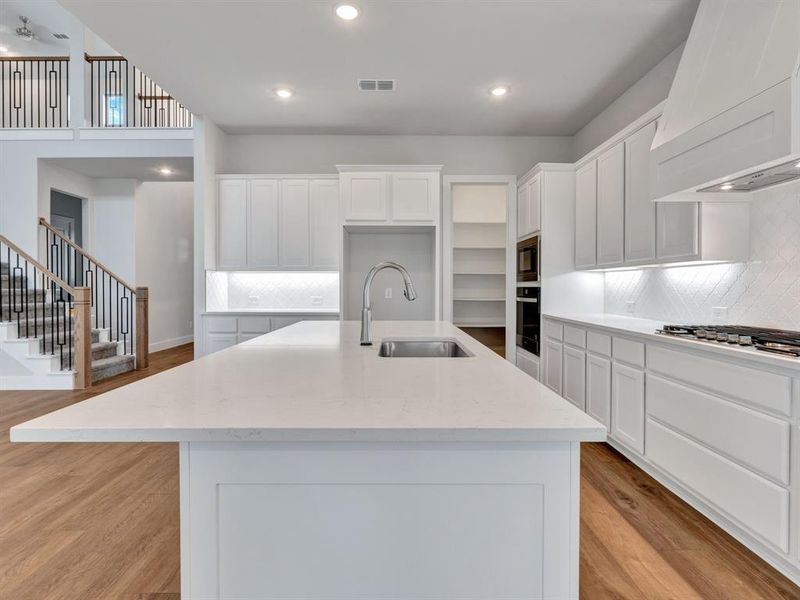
x=82, y=302
x=142, y=327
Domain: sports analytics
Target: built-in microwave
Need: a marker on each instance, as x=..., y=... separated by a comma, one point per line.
x=528, y=259
x=528, y=318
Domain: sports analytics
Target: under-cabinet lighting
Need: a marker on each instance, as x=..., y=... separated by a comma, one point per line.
x=347, y=12
x=726, y=186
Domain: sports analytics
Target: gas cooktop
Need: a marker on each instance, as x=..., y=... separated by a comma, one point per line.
x=778, y=341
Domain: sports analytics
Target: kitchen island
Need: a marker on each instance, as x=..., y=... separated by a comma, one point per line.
x=311, y=467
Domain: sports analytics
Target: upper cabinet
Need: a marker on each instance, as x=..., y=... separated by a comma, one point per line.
x=278, y=223
x=529, y=207
x=616, y=223
x=390, y=195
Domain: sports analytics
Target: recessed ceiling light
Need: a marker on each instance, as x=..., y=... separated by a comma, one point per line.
x=726, y=186
x=284, y=93
x=347, y=12
x=499, y=91
x=165, y=171
x=3, y=49
x=797, y=166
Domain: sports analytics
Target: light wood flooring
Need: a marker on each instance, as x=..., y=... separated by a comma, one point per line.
x=100, y=521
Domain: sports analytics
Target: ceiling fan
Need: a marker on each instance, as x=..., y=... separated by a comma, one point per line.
x=24, y=32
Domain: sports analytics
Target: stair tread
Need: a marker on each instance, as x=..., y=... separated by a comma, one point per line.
x=119, y=358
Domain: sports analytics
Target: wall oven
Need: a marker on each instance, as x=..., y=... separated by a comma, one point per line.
x=528, y=259
x=528, y=318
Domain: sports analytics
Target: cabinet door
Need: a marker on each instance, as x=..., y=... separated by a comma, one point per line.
x=553, y=352
x=575, y=376
x=414, y=196
x=627, y=406
x=528, y=363
x=364, y=196
x=598, y=388
x=677, y=227
x=219, y=341
x=294, y=223
x=586, y=216
x=232, y=223
x=523, y=206
x=281, y=322
x=262, y=223
x=611, y=206
x=640, y=211
x=325, y=234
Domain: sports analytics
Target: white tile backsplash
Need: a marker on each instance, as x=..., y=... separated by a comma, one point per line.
x=237, y=290
x=764, y=291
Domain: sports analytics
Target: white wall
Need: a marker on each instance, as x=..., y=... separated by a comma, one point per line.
x=164, y=240
x=637, y=100
x=111, y=212
x=460, y=155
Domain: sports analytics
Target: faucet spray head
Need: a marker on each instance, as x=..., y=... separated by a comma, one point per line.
x=409, y=292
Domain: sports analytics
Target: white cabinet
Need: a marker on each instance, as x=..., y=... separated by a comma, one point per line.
x=677, y=236
x=294, y=223
x=232, y=223
x=598, y=388
x=611, y=206
x=574, y=373
x=364, y=196
x=414, y=196
x=277, y=223
x=552, y=356
x=529, y=207
x=528, y=362
x=262, y=223
x=586, y=216
x=627, y=406
x=640, y=211
x=324, y=206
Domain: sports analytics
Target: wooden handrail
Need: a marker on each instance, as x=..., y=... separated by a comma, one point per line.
x=33, y=58
x=82, y=252
x=90, y=58
x=52, y=276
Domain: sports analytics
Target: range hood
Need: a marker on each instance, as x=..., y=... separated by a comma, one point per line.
x=731, y=123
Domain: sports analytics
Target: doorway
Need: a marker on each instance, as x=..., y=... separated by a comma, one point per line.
x=66, y=215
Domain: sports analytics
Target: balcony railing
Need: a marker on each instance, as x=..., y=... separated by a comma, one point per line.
x=120, y=95
x=34, y=91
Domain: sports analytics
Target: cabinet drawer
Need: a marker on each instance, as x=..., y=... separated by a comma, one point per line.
x=527, y=362
x=759, y=388
x=599, y=343
x=220, y=324
x=574, y=336
x=553, y=330
x=629, y=351
x=254, y=324
x=749, y=437
x=759, y=505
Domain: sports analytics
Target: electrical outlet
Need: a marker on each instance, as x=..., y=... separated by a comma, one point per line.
x=630, y=306
x=387, y=293
x=191, y=324
x=719, y=314
x=316, y=300
x=252, y=300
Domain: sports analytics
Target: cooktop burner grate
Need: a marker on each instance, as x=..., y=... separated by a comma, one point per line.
x=778, y=341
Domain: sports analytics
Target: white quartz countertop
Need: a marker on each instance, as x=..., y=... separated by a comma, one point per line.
x=312, y=381
x=646, y=328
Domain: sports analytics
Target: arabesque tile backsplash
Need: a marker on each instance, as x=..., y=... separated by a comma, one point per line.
x=763, y=291
x=248, y=290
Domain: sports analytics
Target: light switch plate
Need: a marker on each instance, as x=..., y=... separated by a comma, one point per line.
x=316, y=300
x=252, y=300
x=387, y=293
x=630, y=306
x=719, y=314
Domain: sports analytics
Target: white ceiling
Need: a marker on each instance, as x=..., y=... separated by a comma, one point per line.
x=44, y=23
x=565, y=60
x=143, y=169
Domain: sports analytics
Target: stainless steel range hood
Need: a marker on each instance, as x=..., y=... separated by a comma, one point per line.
x=732, y=119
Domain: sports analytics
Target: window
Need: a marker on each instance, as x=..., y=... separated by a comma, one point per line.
x=115, y=110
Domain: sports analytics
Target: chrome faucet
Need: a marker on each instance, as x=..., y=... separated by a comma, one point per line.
x=366, y=312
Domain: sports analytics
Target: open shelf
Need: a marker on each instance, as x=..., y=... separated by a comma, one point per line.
x=478, y=323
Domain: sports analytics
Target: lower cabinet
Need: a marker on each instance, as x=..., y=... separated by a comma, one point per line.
x=223, y=331
x=553, y=355
x=598, y=388
x=219, y=341
x=627, y=406
x=574, y=375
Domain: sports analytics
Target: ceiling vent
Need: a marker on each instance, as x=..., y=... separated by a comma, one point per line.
x=61, y=36
x=376, y=85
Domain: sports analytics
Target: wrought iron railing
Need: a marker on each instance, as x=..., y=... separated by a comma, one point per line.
x=34, y=91
x=46, y=308
x=112, y=300
x=121, y=95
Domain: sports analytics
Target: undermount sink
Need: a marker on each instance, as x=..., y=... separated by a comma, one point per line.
x=427, y=348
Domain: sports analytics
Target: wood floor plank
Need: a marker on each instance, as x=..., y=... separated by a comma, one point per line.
x=101, y=521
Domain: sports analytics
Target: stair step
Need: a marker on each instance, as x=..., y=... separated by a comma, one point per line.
x=8, y=293
x=6, y=279
x=115, y=365
x=100, y=351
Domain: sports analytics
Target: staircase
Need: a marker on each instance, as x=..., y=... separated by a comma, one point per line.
x=60, y=336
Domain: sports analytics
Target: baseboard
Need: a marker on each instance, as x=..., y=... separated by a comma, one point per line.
x=171, y=343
